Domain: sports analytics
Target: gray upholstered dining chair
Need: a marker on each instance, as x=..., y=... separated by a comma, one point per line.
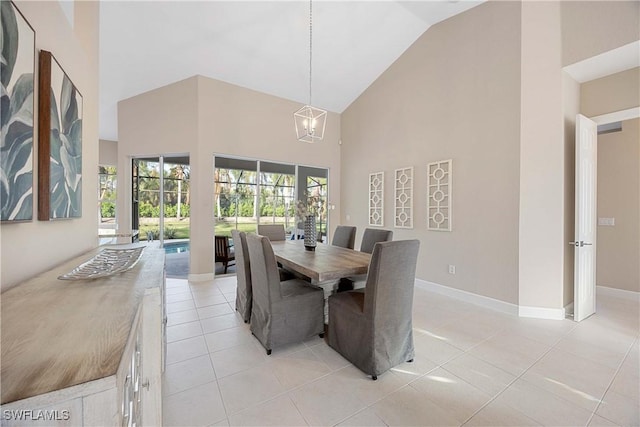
x=275, y=232
x=244, y=293
x=372, y=328
x=282, y=312
x=372, y=236
x=344, y=236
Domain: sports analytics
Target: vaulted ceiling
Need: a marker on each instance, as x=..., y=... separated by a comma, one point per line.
x=260, y=45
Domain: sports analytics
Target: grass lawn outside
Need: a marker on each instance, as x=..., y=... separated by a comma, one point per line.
x=179, y=229
x=223, y=228
x=173, y=228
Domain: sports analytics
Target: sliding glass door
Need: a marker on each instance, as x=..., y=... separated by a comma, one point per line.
x=252, y=192
x=235, y=190
x=160, y=198
x=277, y=194
x=313, y=187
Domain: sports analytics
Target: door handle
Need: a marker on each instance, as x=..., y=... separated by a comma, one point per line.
x=580, y=244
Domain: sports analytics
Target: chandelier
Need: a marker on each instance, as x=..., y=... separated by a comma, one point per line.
x=310, y=121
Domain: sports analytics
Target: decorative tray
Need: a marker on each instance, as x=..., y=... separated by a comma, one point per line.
x=106, y=263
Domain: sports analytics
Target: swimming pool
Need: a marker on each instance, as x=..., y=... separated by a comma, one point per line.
x=176, y=247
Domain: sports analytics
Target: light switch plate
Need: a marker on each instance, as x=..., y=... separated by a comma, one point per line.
x=607, y=221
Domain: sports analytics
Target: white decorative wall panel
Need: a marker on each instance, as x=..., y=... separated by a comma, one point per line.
x=404, y=198
x=376, y=199
x=439, y=182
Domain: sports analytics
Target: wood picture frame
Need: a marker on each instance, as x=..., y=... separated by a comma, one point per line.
x=60, y=143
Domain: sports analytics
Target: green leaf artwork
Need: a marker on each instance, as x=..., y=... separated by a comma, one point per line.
x=16, y=110
x=65, y=182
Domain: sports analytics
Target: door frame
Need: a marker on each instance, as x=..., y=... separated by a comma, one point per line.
x=604, y=119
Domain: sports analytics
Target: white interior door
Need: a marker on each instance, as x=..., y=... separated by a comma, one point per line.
x=584, y=297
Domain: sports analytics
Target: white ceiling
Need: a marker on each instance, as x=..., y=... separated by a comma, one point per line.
x=261, y=45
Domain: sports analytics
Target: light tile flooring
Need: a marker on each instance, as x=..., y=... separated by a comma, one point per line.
x=473, y=367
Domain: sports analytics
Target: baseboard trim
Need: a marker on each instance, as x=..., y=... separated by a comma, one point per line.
x=201, y=277
x=469, y=297
x=568, y=310
x=618, y=293
x=541, y=312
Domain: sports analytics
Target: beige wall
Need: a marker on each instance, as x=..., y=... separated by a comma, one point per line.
x=509, y=242
x=541, y=268
x=32, y=247
x=108, y=153
x=609, y=94
x=618, y=248
x=454, y=94
x=594, y=27
x=203, y=117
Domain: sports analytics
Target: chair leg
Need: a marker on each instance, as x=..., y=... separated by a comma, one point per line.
x=225, y=268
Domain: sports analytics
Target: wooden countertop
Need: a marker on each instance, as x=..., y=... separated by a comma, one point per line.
x=59, y=333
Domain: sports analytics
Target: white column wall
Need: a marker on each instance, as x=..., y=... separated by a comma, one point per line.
x=541, y=228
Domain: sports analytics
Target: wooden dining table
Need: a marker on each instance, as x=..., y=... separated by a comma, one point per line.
x=325, y=264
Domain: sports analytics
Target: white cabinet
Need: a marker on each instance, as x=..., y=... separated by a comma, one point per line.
x=88, y=354
x=142, y=366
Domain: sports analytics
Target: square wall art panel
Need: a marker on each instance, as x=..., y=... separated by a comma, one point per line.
x=60, y=143
x=16, y=110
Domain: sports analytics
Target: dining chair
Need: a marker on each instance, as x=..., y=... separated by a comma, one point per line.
x=344, y=236
x=372, y=327
x=275, y=232
x=244, y=293
x=224, y=251
x=372, y=236
x=282, y=312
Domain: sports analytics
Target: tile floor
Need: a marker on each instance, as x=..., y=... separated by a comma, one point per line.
x=473, y=367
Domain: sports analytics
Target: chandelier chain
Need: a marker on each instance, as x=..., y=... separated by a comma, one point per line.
x=310, y=45
x=310, y=121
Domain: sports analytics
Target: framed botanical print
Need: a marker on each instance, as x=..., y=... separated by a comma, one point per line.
x=18, y=81
x=60, y=143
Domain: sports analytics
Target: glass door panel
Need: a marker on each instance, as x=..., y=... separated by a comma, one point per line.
x=177, y=209
x=277, y=195
x=235, y=205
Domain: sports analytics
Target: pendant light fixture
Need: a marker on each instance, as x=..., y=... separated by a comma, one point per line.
x=310, y=121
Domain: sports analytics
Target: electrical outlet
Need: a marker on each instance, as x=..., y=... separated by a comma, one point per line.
x=452, y=269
